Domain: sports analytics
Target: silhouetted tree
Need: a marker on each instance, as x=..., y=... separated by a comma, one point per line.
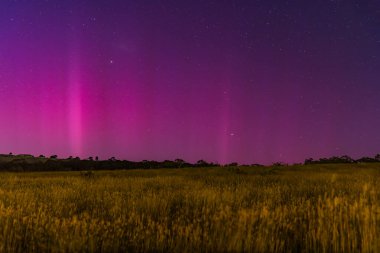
x=53, y=157
x=334, y=159
x=309, y=161
x=179, y=162
x=168, y=164
x=279, y=164
x=366, y=160
x=202, y=163
x=346, y=159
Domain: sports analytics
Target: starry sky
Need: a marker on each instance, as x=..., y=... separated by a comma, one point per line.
x=255, y=81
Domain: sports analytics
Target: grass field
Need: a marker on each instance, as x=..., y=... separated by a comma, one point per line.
x=316, y=208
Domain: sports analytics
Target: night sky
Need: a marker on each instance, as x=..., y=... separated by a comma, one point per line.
x=246, y=81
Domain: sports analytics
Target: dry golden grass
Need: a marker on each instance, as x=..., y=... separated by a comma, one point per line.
x=295, y=209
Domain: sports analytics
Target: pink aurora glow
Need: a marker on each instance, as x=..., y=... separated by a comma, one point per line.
x=216, y=80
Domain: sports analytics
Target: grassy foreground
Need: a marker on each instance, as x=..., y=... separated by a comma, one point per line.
x=317, y=208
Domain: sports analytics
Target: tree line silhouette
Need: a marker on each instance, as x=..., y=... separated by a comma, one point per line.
x=343, y=159
x=25, y=162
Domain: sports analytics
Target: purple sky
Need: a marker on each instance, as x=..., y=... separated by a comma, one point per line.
x=247, y=81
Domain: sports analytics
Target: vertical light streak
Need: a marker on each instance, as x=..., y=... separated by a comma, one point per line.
x=225, y=123
x=75, y=102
